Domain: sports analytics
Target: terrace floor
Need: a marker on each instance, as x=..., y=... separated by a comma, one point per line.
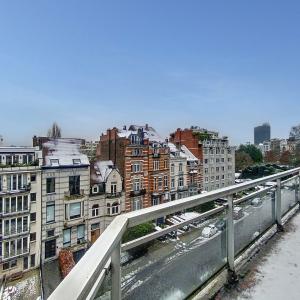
x=275, y=272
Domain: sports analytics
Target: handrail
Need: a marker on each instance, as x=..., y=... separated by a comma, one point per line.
x=80, y=281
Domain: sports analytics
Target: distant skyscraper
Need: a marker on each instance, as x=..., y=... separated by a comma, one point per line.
x=262, y=133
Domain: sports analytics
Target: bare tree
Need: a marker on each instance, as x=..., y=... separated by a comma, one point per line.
x=54, y=131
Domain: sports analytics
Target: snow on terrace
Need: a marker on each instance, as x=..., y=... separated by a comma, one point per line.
x=64, y=152
x=277, y=276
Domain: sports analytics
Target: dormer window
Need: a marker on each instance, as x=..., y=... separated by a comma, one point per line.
x=54, y=162
x=76, y=161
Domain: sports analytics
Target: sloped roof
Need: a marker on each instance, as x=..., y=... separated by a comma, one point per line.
x=63, y=152
x=100, y=170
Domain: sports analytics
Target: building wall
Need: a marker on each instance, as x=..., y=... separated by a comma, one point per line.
x=218, y=164
x=262, y=133
x=60, y=198
x=189, y=139
x=178, y=191
x=15, y=263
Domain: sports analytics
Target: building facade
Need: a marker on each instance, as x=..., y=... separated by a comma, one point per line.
x=215, y=155
x=262, y=133
x=65, y=194
x=142, y=158
x=20, y=213
x=106, y=199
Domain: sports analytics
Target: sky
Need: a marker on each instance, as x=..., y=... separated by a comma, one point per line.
x=92, y=65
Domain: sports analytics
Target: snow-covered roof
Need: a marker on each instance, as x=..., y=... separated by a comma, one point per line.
x=101, y=170
x=189, y=155
x=15, y=149
x=149, y=133
x=63, y=152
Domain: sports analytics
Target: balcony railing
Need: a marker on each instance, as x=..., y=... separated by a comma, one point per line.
x=138, y=193
x=262, y=209
x=114, y=195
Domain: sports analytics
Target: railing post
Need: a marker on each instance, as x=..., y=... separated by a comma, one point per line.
x=116, y=273
x=232, y=277
x=297, y=187
x=278, y=205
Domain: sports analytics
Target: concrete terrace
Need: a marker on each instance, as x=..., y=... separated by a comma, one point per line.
x=275, y=272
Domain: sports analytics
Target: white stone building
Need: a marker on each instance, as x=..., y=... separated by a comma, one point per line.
x=218, y=162
x=107, y=198
x=20, y=213
x=65, y=195
x=178, y=173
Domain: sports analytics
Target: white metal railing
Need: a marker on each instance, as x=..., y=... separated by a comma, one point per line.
x=86, y=277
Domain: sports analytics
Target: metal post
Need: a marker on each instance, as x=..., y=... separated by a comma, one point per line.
x=278, y=205
x=116, y=273
x=297, y=188
x=232, y=277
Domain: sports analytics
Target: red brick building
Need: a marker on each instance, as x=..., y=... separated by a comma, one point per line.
x=142, y=157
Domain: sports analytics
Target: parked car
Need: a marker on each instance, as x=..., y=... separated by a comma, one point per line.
x=237, y=213
x=256, y=202
x=209, y=231
x=221, y=224
x=172, y=234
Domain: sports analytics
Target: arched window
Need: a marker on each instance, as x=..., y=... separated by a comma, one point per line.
x=95, y=210
x=113, y=209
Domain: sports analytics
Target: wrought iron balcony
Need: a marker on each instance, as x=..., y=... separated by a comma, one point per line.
x=211, y=251
x=138, y=193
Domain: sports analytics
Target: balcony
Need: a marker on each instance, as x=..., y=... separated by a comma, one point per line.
x=68, y=195
x=114, y=195
x=182, y=188
x=137, y=193
x=237, y=225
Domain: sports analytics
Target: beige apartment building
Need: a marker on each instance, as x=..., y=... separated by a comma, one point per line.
x=20, y=213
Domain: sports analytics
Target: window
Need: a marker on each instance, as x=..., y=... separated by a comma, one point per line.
x=180, y=182
x=166, y=164
x=54, y=162
x=76, y=161
x=172, y=168
x=32, y=177
x=50, y=233
x=155, y=183
x=206, y=161
x=25, y=263
x=13, y=204
x=50, y=212
x=206, y=170
x=136, y=185
x=206, y=179
x=159, y=183
x=80, y=233
x=180, y=167
x=50, y=249
x=95, y=210
x=33, y=237
x=67, y=237
x=156, y=165
x=137, y=152
x=137, y=203
x=50, y=185
x=113, y=188
x=136, y=167
x=33, y=197
x=95, y=189
x=166, y=181
x=25, y=202
x=75, y=210
x=172, y=183
x=74, y=185
x=32, y=260
x=155, y=201
x=113, y=209
x=217, y=169
x=32, y=217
